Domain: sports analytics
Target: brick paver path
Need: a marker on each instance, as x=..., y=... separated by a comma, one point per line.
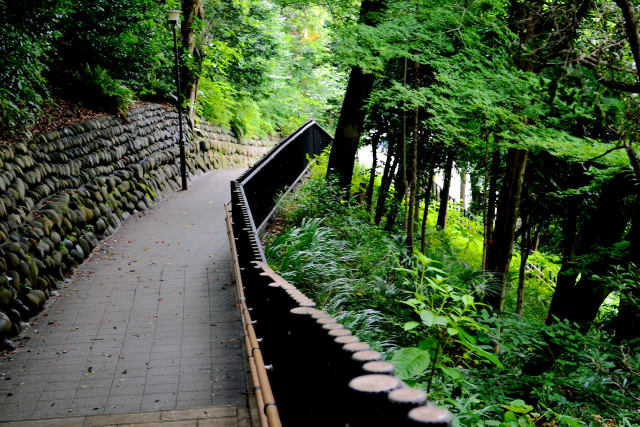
x=148, y=323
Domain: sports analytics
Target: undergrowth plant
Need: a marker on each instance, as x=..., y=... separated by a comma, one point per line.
x=423, y=312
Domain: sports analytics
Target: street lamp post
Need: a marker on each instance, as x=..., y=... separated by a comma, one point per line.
x=173, y=19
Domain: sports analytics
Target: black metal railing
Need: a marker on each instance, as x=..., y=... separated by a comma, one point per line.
x=321, y=374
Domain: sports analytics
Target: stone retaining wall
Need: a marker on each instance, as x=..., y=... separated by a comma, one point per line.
x=61, y=192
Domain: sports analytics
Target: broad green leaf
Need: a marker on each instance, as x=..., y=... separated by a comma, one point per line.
x=518, y=406
x=411, y=325
x=427, y=317
x=410, y=361
x=480, y=352
x=467, y=299
x=571, y=422
x=452, y=373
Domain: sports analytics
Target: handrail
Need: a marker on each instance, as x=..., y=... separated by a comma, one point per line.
x=278, y=148
x=260, y=228
x=319, y=374
x=268, y=413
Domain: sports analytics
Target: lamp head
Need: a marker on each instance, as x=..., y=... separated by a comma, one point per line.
x=174, y=15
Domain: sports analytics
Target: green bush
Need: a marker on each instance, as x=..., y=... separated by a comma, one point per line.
x=103, y=91
x=26, y=37
x=128, y=39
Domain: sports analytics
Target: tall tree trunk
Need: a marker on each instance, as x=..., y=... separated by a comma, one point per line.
x=444, y=194
x=192, y=10
x=349, y=127
x=404, y=149
x=390, y=166
x=594, y=254
x=413, y=167
x=490, y=212
x=628, y=319
x=372, y=174
x=500, y=251
x=560, y=301
x=347, y=135
x=427, y=201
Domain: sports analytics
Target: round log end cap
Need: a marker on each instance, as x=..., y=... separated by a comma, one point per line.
x=320, y=314
x=294, y=293
x=342, y=332
x=374, y=383
x=355, y=346
x=304, y=310
x=346, y=339
x=366, y=356
x=306, y=302
x=379, y=367
x=332, y=326
x=408, y=395
x=326, y=319
x=431, y=415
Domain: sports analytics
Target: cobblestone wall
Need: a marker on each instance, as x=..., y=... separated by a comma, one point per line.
x=63, y=191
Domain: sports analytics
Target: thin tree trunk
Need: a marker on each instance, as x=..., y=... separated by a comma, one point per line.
x=444, y=194
x=463, y=188
x=491, y=206
x=397, y=201
x=416, y=208
x=404, y=151
x=413, y=171
x=524, y=256
x=476, y=194
x=500, y=251
x=427, y=200
x=634, y=160
x=390, y=166
x=372, y=174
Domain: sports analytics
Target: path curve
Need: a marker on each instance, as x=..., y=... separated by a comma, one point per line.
x=148, y=322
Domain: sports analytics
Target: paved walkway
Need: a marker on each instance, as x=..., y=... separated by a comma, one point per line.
x=148, y=323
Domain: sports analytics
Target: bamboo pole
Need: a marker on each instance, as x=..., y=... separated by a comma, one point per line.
x=269, y=416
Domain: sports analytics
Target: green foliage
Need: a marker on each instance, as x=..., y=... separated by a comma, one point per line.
x=61, y=42
x=422, y=311
x=103, y=91
x=265, y=69
x=127, y=39
x=30, y=28
x=446, y=316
